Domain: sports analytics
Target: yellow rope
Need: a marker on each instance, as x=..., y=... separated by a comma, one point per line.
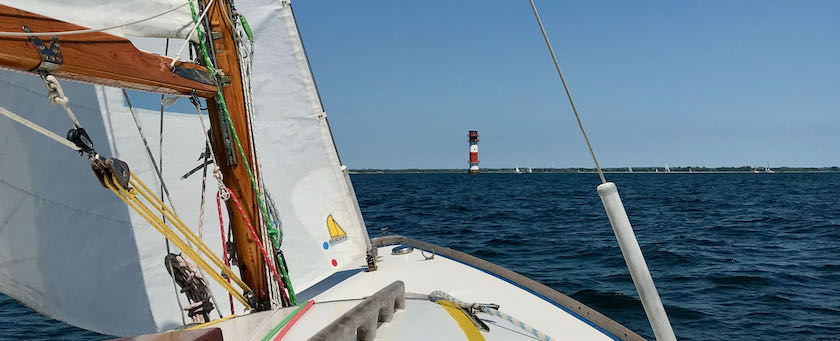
x=213, y=322
x=130, y=198
x=159, y=205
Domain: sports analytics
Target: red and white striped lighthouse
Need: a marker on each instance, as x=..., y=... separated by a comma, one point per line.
x=473, y=152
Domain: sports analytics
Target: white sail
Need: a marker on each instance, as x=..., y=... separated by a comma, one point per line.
x=73, y=251
x=298, y=159
x=69, y=248
x=97, y=14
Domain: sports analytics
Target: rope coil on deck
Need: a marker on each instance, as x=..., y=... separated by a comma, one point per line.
x=488, y=309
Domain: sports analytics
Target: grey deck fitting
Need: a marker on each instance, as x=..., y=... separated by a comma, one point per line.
x=360, y=322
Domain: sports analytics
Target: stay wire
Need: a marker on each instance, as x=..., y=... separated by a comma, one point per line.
x=160, y=178
x=160, y=157
x=568, y=93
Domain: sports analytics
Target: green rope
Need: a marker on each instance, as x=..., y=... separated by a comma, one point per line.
x=272, y=231
x=246, y=27
x=283, y=323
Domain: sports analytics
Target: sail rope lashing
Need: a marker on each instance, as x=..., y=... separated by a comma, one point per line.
x=128, y=191
x=162, y=182
x=192, y=285
x=271, y=230
x=490, y=309
x=64, y=33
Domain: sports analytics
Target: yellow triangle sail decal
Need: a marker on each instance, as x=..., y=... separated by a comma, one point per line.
x=336, y=233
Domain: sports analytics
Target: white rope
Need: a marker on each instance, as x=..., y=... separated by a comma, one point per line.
x=57, y=97
x=192, y=31
x=440, y=295
x=64, y=33
x=39, y=129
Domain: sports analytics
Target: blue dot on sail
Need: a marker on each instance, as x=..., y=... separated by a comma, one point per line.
x=326, y=245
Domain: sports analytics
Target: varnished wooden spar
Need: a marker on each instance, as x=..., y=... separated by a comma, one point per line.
x=97, y=57
x=251, y=264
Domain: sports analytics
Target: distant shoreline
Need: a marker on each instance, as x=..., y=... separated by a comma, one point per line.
x=638, y=170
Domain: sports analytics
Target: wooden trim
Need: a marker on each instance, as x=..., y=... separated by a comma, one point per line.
x=97, y=57
x=251, y=263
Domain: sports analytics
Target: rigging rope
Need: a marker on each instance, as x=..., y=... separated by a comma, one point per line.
x=193, y=30
x=160, y=157
x=568, y=93
x=64, y=33
x=259, y=243
x=77, y=139
x=272, y=232
x=160, y=178
x=129, y=196
x=489, y=309
x=39, y=129
x=57, y=97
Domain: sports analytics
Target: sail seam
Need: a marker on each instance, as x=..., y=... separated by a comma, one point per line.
x=56, y=203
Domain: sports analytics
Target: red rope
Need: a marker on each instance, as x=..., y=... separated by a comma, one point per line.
x=293, y=320
x=224, y=244
x=259, y=243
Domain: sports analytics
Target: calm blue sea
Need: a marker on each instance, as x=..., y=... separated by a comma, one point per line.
x=735, y=256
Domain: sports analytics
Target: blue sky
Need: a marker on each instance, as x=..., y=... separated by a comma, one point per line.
x=687, y=83
x=715, y=83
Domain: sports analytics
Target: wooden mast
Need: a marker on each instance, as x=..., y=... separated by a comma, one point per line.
x=96, y=57
x=250, y=260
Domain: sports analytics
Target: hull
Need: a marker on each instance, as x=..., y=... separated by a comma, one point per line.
x=421, y=271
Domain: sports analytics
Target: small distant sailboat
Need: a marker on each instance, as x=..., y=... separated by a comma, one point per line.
x=667, y=169
x=530, y=170
x=768, y=170
x=629, y=169
x=517, y=170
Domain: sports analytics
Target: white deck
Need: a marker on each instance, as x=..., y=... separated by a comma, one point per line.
x=422, y=319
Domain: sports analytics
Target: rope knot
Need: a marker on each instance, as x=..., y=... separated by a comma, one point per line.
x=56, y=94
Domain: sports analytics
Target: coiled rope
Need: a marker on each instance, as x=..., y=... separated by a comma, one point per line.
x=440, y=295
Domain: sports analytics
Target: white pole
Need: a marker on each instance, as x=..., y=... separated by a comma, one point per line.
x=635, y=262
